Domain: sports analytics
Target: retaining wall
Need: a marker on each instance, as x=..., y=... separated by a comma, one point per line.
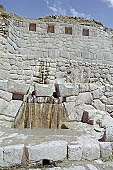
x=95, y=48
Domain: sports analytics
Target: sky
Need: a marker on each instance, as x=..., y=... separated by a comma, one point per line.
x=100, y=10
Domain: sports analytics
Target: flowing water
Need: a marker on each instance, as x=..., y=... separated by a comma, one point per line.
x=43, y=112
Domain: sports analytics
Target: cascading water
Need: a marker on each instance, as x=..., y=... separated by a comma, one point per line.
x=48, y=114
x=41, y=111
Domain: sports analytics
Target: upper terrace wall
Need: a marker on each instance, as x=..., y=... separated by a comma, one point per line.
x=97, y=47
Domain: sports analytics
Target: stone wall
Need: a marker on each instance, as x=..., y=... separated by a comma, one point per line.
x=28, y=69
x=95, y=48
x=78, y=83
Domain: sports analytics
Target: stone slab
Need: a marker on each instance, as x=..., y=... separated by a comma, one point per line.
x=5, y=95
x=11, y=155
x=91, y=151
x=75, y=152
x=105, y=149
x=13, y=108
x=42, y=90
x=91, y=167
x=3, y=105
x=18, y=88
x=67, y=89
x=3, y=85
x=54, y=150
x=108, y=135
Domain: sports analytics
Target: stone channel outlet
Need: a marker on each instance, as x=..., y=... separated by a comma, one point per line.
x=35, y=130
x=41, y=112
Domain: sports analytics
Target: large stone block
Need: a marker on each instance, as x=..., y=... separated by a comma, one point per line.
x=109, y=94
x=71, y=99
x=7, y=119
x=109, y=108
x=13, y=108
x=76, y=112
x=93, y=86
x=19, y=88
x=3, y=105
x=99, y=105
x=93, y=116
x=4, y=75
x=108, y=135
x=3, y=85
x=75, y=152
x=84, y=98
x=1, y=157
x=91, y=149
x=105, y=149
x=83, y=87
x=103, y=99
x=12, y=155
x=44, y=90
x=91, y=167
x=54, y=150
x=67, y=89
x=97, y=94
x=5, y=95
x=107, y=121
x=110, y=101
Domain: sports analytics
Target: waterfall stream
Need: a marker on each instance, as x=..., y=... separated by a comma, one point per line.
x=48, y=114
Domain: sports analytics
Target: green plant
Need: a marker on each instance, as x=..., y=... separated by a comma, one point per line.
x=110, y=158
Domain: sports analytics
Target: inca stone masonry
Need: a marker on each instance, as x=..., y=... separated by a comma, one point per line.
x=55, y=72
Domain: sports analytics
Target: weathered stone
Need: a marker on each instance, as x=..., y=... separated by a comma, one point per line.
x=97, y=94
x=91, y=167
x=76, y=113
x=75, y=168
x=1, y=157
x=105, y=149
x=111, y=70
x=84, y=98
x=54, y=150
x=42, y=90
x=93, y=116
x=65, y=90
x=4, y=75
x=99, y=161
x=83, y=87
x=55, y=168
x=71, y=99
x=99, y=105
x=5, y=95
x=11, y=155
x=103, y=99
x=91, y=151
x=108, y=135
x=107, y=121
x=109, y=94
x=3, y=105
x=93, y=86
x=110, y=100
x=75, y=152
x=108, y=88
x=6, y=118
x=3, y=85
x=13, y=108
x=19, y=88
x=109, y=108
